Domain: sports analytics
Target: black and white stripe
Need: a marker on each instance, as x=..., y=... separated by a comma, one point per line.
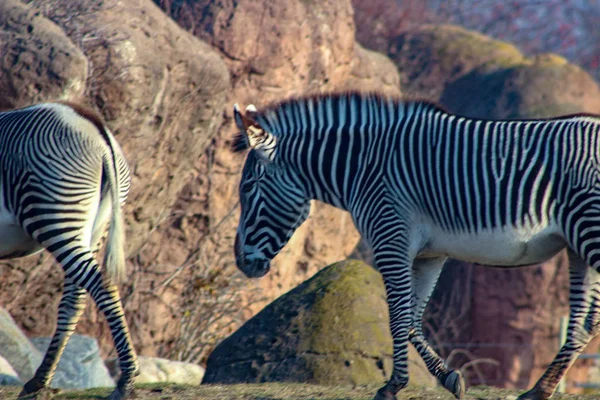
x=423, y=185
x=63, y=179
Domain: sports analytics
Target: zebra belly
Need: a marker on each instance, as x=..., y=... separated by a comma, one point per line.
x=507, y=246
x=14, y=242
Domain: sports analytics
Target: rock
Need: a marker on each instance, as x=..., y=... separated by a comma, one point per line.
x=8, y=375
x=38, y=61
x=332, y=329
x=80, y=366
x=17, y=349
x=541, y=87
x=431, y=57
x=160, y=89
x=472, y=74
x=301, y=47
x=154, y=369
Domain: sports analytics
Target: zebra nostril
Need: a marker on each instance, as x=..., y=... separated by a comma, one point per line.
x=257, y=268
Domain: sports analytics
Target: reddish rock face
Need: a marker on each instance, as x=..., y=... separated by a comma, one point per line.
x=164, y=93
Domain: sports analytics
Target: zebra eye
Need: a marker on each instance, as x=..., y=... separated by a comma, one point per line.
x=248, y=185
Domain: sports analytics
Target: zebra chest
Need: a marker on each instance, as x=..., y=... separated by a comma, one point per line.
x=506, y=246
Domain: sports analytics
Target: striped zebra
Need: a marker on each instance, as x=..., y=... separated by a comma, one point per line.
x=423, y=185
x=63, y=178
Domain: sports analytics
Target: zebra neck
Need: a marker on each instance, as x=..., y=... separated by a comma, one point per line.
x=335, y=166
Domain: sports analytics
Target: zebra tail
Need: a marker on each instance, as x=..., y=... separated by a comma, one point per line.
x=114, y=256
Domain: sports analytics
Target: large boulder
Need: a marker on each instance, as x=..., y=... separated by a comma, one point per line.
x=155, y=369
x=161, y=91
x=17, y=349
x=8, y=375
x=431, y=57
x=80, y=366
x=543, y=86
x=332, y=329
x=297, y=47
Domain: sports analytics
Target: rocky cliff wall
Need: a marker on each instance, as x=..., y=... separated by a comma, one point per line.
x=167, y=96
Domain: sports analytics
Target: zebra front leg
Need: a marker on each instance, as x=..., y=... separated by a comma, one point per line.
x=70, y=309
x=395, y=268
x=583, y=326
x=425, y=274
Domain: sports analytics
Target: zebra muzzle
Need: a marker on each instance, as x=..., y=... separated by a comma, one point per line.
x=253, y=268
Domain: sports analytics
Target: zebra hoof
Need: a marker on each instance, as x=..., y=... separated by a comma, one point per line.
x=455, y=383
x=120, y=393
x=384, y=394
x=40, y=393
x=31, y=389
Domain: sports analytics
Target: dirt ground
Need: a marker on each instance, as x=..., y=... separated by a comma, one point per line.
x=281, y=391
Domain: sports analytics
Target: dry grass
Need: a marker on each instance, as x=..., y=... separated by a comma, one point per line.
x=282, y=391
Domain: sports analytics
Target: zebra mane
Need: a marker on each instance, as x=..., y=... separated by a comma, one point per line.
x=352, y=94
x=268, y=117
x=240, y=141
x=267, y=114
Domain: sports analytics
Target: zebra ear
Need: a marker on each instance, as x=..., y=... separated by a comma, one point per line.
x=239, y=119
x=240, y=141
x=252, y=135
x=251, y=111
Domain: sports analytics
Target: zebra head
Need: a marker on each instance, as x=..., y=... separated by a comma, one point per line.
x=273, y=203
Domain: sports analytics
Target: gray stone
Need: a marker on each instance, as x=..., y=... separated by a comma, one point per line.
x=154, y=369
x=17, y=349
x=80, y=366
x=8, y=375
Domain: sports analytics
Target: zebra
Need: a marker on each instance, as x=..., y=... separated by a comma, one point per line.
x=63, y=178
x=423, y=185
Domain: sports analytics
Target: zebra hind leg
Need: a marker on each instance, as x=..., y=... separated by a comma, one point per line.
x=583, y=326
x=108, y=301
x=81, y=267
x=70, y=309
x=425, y=275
